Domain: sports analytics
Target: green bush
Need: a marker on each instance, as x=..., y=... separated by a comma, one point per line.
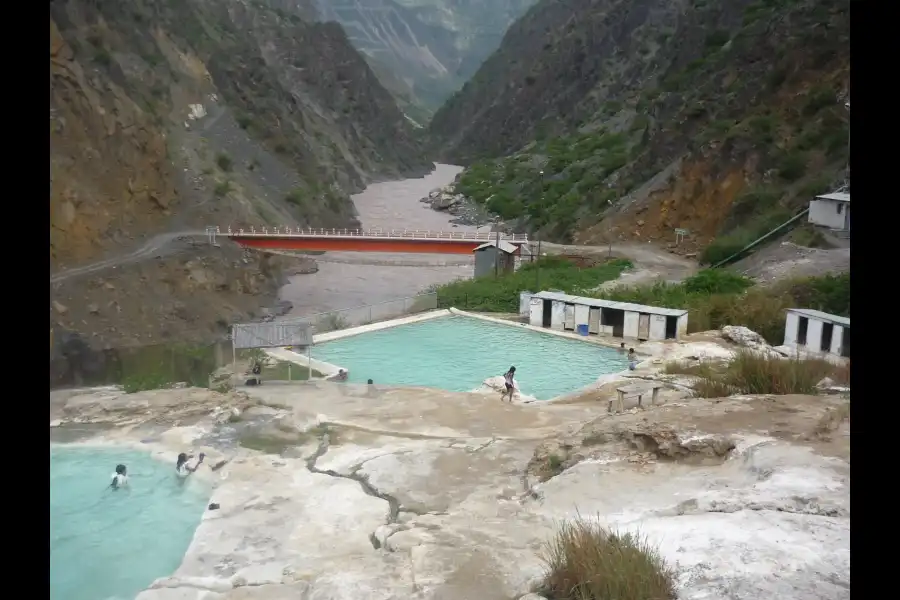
x=727, y=299
x=724, y=246
x=224, y=162
x=584, y=561
x=501, y=294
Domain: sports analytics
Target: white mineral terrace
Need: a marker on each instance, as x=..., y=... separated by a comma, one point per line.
x=379, y=493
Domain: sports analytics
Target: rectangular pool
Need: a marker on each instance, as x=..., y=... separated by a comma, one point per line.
x=458, y=353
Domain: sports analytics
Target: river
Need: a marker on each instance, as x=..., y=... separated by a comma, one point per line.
x=350, y=279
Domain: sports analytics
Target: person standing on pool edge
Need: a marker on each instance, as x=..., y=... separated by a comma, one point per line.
x=509, y=383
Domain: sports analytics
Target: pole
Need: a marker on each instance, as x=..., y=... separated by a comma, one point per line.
x=234, y=376
x=537, y=277
x=308, y=362
x=289, y=371
x=497, y=256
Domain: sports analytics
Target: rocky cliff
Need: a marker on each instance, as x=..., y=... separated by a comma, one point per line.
x=169, y=116
x=424, y=50
x=627, y=119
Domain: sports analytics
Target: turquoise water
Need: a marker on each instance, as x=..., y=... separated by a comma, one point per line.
x=108, y=544
x=459, y=353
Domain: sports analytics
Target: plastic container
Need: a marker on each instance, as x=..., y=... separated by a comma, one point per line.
x=582, y=329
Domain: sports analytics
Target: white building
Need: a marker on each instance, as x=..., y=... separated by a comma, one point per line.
x=831, y=211
x=563, y=312
x=817, y=332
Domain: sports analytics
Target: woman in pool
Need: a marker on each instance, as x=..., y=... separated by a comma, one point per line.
x=182, y=469
x=119, y=478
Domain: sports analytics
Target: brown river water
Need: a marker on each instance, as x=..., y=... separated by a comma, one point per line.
x=351, y=279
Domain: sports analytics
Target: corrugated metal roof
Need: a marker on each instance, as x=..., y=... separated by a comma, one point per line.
x=504, y=246
x=598, y=303
x=836, y=196
x=821, y=316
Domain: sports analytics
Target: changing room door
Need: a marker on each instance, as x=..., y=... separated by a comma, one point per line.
x=644, y=327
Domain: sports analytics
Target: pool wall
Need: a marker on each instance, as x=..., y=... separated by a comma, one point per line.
x=329, y=369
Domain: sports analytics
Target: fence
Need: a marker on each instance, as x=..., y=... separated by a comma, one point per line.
x=362, y=315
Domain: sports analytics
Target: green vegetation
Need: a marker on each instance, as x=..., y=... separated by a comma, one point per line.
x=501, y=294
x=572, y=185
x=753, y=373
x=224, y=161
x=716, y=298
x=584, y=561
x=222, y=188
x=158, y=367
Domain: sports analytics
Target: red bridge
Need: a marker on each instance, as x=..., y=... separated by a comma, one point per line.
x=369, y=240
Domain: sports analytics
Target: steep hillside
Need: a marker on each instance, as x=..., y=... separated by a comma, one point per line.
x=627, y=119
x=170, y=116
x=431, y=46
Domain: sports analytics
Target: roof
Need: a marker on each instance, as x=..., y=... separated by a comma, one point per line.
x=599, y=303
x=504, y=246
x=821, y=316
x=836, y=196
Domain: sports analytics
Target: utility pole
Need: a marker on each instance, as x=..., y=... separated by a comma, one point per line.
x=537, y=270
x=497, y=256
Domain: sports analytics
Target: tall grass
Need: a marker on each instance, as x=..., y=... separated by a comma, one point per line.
x=753, y=373
x=584, y=561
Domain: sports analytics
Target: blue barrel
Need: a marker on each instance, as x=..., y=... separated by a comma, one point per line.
x=582, y=329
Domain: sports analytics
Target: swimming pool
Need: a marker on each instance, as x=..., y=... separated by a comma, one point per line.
x=108, y=544
x=458, y=353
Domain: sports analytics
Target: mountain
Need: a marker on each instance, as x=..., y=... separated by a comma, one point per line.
x=626, y=119
x=432, y=46
x=167, y=117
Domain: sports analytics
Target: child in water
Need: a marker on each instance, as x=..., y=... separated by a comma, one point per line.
x=182, y=469
x=119, y=478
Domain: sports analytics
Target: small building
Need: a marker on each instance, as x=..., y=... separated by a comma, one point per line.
x=495, y=257
x=606, y=317
x=818, y=332
x=831, y=211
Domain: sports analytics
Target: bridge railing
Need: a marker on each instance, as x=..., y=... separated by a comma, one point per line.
x=371, y=313
x=420, y=234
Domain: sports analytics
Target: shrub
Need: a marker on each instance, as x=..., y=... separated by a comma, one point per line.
x=586, y=562
x=222, y=189
x=754, y=373
x=501, y=294
x=224, y=162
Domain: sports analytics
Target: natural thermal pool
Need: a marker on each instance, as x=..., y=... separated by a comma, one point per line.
x=458, y=353
x=108, y=544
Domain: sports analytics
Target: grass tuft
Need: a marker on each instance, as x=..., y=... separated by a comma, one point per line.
x=754, y=373
x=584, y=561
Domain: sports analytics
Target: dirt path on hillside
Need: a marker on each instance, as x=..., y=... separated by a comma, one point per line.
x=158, y=245
x=650, y=263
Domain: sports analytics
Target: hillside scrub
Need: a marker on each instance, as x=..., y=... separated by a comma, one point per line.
x=716, y=298
x=501, y=294
x=753, y=373
x=584, y=561
x=553, y=183
x=604, y=99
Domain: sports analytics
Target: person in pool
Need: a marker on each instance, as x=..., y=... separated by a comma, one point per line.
x=509, y=383
x=182, y=469
x=119, y=478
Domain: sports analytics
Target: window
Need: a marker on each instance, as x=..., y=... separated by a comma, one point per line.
x=840, y=207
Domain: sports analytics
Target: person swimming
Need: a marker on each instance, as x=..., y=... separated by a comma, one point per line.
x=509, y=383
x=119, y=478
x=182, y=469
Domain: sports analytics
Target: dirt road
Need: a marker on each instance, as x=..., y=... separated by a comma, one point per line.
x=650, y=263
x=164, y=243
